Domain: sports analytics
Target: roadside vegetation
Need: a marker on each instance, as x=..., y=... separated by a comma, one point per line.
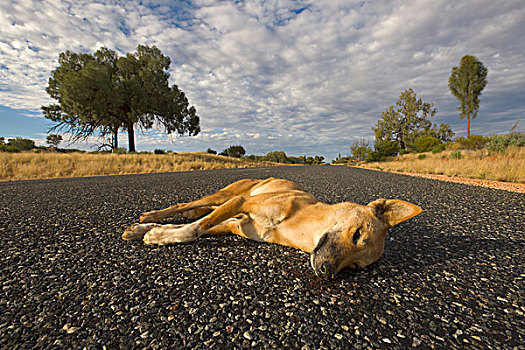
x=21, y=159
x=45, y=165
x=502, y=159
x=407, y=141
x=495, y=157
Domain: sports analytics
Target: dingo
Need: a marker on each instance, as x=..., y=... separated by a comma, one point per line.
x=279, y=211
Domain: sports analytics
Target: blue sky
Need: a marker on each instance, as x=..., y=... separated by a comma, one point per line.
x=305, y=77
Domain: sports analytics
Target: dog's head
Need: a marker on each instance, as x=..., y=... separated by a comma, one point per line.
x=357, y=238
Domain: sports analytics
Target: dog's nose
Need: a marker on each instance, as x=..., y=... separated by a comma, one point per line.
x=325, y=270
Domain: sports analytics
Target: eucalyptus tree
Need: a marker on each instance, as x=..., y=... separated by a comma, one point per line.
x=103, y=92
x=406, y=120
x=466, y=83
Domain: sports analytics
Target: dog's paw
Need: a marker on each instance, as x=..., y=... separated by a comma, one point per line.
x=155, y=236
x=136, y=231
x=150, y=216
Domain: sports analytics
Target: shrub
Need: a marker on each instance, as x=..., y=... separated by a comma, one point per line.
x=22, y=144
x=456, y=155
x=472, y=142
x=120, y=150
x=499, y=143
x=9, y=148
x=159, y=151
x=359, y=154
x=421, y=156
x=440, y=148
x=426, y=143
x=404, y=151
x=211, y=151
x=234, y=151
x=277, y=157
x=387, y=148
x=375, y=156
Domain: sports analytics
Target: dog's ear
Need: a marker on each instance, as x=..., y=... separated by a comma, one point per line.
x=393, y=211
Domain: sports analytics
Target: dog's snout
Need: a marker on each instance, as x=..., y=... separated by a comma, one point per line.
x=325, y=270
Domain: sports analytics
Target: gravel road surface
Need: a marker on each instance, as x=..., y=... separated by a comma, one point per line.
x=453, y=277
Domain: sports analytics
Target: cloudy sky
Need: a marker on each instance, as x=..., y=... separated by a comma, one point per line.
x=305, y=77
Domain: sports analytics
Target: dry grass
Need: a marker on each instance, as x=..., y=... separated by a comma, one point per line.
x=479, y=164
x=28, y=166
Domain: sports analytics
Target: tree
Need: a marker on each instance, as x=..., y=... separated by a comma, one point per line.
x=360, y=150
x=466, y=83
x=54, y=140
x=277, y=157
x=104, y=93
x=405, y=121
x=234, y=151
x=22, y=144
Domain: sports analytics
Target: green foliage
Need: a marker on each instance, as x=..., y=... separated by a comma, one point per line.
x=471, y=142
x=234, y=151
x=281, y=157
x=159, y=151
x=103, y=92
x=404, y=151
x=54, y=140
x=443, y=132
x=359, y=151
x=70, y=150
x=277, y=157
x=466, y=83
x=2, y=140
x=421, y=156
x=342, y=160
x=22, y=144
x=120, y=150
x=315, y=160
x=456, y=155
x=211, y=151
x=375, y=156
x=9, y=148
x=386, y=148
x=405, y=121
x=499, y=143
x=426, y=143
x=440, y=148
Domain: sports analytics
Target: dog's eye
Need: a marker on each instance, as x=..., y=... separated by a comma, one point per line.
x=356, y=236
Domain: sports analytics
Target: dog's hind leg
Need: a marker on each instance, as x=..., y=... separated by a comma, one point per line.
x=201, y=206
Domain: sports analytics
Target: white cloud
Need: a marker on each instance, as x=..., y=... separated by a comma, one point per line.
x=301, y=75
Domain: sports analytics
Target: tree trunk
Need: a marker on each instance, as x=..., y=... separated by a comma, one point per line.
x=115, y=139
x=468, y=125
x=131, y=136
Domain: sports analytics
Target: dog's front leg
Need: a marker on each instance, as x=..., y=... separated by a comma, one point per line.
x=165, y=234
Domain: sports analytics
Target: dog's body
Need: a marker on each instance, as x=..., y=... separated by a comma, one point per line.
x=279, y=211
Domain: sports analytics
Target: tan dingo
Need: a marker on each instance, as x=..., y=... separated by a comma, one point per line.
x=279, y=211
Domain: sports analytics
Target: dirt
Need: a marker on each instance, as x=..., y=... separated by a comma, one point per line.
x=500, y=185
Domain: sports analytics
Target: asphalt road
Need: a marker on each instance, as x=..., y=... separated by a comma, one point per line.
x=453, y=277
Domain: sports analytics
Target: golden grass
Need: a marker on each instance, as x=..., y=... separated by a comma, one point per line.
x=28, y=166
x=478, y=164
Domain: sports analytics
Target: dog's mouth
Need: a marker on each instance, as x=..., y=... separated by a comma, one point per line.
x=323, y=269
x=322, y=266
